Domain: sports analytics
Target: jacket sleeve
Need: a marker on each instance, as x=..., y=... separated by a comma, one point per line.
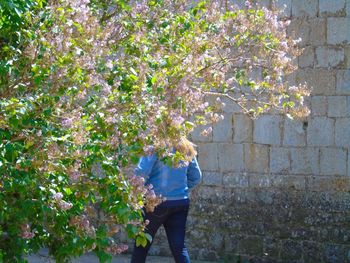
x=145, y=165
x=194, y=174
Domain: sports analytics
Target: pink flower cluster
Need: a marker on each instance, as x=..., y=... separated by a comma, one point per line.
x=117, y=249
x=63, y=205
x=137, y=183
x=151, y=200
x=82, y=224
x=26, y=232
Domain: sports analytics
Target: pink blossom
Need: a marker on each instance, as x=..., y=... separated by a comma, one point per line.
x=26, y=232
x=117, y=249
x=64, y=205
x=82, y=223
x=58, y=196
x=148, y=149
x=74, y=175
x=207, y=131
x=284, y=44
x=67, y=123
x=177, y=120
x=137, y=181
x=109, y=64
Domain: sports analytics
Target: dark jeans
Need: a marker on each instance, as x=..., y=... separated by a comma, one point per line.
x=174, y=220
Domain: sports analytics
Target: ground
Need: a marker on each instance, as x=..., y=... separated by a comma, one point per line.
x=42, y=258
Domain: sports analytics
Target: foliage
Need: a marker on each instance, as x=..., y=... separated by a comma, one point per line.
x=15, y=26
x=88, y=87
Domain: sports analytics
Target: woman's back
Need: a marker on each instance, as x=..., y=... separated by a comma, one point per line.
x=172, y=183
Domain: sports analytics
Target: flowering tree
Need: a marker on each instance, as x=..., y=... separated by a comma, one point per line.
x=89, y=86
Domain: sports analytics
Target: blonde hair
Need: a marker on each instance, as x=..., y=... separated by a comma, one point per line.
x=187, y=148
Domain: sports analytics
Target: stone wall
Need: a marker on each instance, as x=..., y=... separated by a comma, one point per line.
x=276, y=190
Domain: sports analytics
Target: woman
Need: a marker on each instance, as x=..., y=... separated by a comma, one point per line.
x=173, y=183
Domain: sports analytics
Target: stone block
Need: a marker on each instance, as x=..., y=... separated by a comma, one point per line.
x=279, y=160
x=243, y=128
x=304, y=8
x=299, y=28
x=223, y=131
x=252, y=227
x=321, y=81
x=216, y=240
x=347, y=56
x=267, y=130
x=333, y=7
x=235, y=180
x=205, y=253
x=347, y=9
x=285, y=6
x=336, y=253
x=209, y=195
x=265, y=198
x=272, y=246
x=231, y=242
x=251, y=245
x=208, y=156
x=348, y=163
x=291, y=250
x=342, y=132
x=230, y=106
x=239, y=196
x=312, y=251
x=256, y=158
x=304, y=160
x=294, y=133
x=318, y=106
x=291, y=78
x=327, y=57
x=343, y=82
x=230, y=157
x=338, y=30
x=333, y=161
x=241, y=3
x=259, y=181
x=197, y=137
x=265, y=3
x=212, y=178
x=289, y=182
x=320, y=131
x=337, y=106
x=329, y=184
x=318, y=30
x=307, y=58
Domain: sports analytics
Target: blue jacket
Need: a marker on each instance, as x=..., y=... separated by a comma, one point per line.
x=171, y=183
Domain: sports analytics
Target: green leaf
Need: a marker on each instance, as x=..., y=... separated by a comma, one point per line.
x=149, y=237
x=68, y=191
x=14, y=122
x=103, y=257
x=141, y=241
x=189, y=125
x=28, y=144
